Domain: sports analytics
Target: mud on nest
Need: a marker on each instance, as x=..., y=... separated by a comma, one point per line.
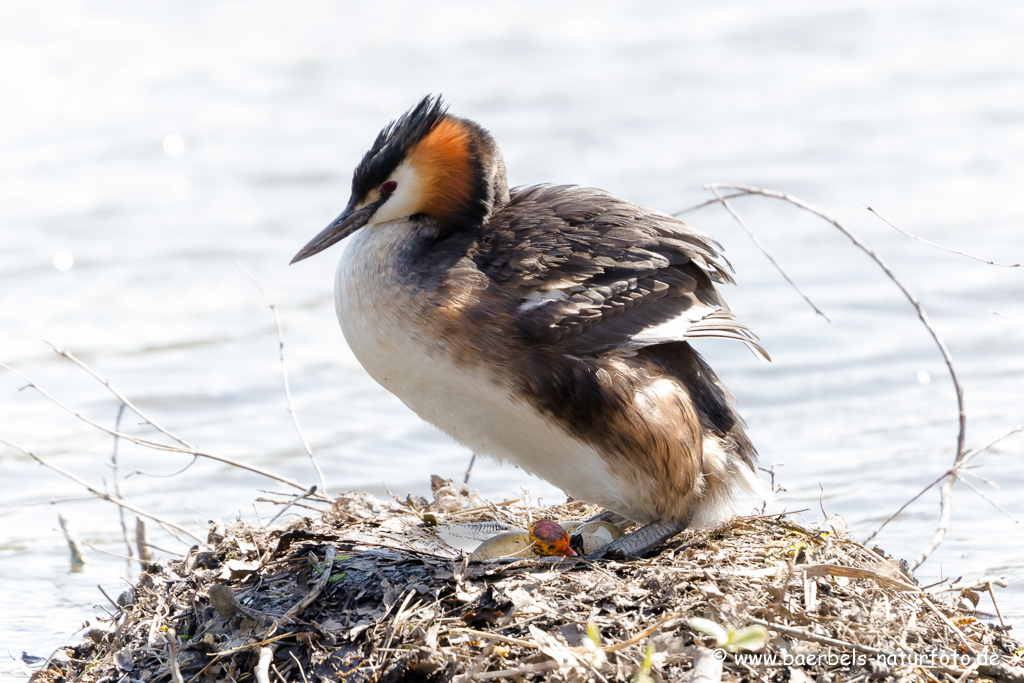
x=368, y=592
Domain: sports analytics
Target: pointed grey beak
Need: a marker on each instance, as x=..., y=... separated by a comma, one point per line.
x=350, y=220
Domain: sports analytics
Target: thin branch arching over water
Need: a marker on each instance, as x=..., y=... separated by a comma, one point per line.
x=757, y=243
x=946, y=492
x=1003, y=264
x=707, y=203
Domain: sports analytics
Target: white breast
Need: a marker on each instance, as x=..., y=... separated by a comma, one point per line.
x=376, y=312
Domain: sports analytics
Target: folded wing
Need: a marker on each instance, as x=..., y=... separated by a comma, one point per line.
x=598, y=275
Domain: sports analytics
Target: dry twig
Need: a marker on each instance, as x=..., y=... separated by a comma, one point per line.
x=308, y=492
x=757, y=243
x=946, y=491
x=99, y=494
x=1004, y=264
x=284, y=379
x=185, y=448
x=172, y=642
x=263, y=665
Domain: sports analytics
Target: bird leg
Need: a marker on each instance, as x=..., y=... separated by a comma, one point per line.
x=644, y=539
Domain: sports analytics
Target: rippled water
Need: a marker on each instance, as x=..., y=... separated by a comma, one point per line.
x=914, y=107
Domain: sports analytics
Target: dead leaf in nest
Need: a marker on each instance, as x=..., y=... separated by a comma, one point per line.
x=245, y=547
x=124, y=659
x=223, y=600
x=289, y=537
x=238, y=569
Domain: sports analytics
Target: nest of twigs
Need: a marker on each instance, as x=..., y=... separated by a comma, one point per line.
x=368, y=592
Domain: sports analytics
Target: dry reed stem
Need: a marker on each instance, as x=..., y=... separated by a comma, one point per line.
x=117, y=481
x=263, y=665
x=78, y=560
x=145, y=554
x=992, y=594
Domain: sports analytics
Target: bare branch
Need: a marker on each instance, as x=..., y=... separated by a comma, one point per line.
x=52, y=501
x=990, y=501
x=977, y=451
x=903, y=507
x=99, y=494
x=156, y=445
x=959, y=469
x=728, y=207
x=947, y=487
x=708, y=203
x=1011, y=317
x=284, y=378
x=1004, y=264
x=308, y=492
x=992, y=594
x=102, y=380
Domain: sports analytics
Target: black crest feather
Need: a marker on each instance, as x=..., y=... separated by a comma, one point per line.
x=394, y=142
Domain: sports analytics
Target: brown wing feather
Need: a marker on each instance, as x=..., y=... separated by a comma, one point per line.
x=596, y=273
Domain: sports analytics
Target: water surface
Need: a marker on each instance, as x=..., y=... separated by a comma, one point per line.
x=914, y=107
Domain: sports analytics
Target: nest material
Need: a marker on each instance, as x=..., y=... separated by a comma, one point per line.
x=369, y=593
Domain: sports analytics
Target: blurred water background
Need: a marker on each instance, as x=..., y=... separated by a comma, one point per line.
x=147, y=147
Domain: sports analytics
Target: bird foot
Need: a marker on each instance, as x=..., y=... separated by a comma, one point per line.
x=642, y=541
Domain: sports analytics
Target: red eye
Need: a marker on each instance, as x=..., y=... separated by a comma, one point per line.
x=389, y=187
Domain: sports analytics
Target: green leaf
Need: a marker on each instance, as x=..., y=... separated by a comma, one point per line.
x=593, y=633
x=710, y=628
x=751, y=638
